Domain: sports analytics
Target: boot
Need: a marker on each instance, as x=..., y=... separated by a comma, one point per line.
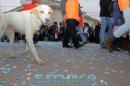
x=108, y=43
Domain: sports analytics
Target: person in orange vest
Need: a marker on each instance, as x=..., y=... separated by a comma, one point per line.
x=124, y=6
x=72, y=16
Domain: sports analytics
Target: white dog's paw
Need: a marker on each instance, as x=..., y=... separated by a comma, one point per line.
x=40, y=61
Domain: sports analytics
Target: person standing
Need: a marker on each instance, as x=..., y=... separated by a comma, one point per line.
x=97, y=31
x=71, y=18
x=105, y=21
x=124, y=6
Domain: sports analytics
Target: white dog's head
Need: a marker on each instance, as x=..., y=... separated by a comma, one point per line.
x=43, y=12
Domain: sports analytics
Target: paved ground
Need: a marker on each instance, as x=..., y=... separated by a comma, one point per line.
x=87, y=66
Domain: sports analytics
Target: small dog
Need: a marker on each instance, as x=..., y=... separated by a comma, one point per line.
x=25, y=22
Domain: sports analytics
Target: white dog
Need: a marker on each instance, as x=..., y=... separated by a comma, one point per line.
x=25, y=22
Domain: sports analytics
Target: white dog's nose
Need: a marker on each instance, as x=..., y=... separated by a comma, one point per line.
x=47, y=19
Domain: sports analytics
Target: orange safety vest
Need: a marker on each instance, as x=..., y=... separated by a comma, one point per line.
x=72, y=9
x=29, y=6
x=123, y=4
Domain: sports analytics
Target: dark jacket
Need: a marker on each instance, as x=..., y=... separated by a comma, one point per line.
x=116, y=11
x=104, y=8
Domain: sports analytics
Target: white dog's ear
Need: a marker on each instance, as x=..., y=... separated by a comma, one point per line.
x=36, y=12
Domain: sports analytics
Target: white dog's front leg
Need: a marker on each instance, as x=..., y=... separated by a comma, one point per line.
x=10, y=35
x=33, y=49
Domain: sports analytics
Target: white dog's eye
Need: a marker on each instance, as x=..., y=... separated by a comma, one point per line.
x=42, y=11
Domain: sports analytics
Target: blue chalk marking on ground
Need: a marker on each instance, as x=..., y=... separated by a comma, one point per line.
x=23, y=83
x=2, y=82
x=39, y=76
x=5, y=70
x=92, y=77
x=94, y=84
x=32, y=84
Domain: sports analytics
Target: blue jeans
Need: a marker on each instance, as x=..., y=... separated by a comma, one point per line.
x=86, y=36
x=105, y=23
x=79, y=29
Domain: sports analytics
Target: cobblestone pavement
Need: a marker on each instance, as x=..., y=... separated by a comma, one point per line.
x=86, y=66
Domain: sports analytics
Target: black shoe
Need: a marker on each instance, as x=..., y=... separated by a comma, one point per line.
x=78, y=46
x=67, y=46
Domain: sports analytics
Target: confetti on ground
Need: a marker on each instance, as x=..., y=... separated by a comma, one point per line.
x=88, y=66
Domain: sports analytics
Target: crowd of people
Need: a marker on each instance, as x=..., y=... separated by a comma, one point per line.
x=55, y=33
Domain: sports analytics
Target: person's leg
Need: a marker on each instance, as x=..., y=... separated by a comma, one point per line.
x=73, y=33
x=66, y=36
x=86, y=37
x=110, y=29
x=79, y=29
x=102, y=31
x=126, y=26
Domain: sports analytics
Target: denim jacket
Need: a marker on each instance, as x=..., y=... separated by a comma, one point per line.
x=116, y=11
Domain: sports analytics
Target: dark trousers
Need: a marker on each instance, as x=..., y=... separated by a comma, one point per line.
x=70, y=33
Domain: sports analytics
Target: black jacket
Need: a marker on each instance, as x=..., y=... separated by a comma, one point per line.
x=104, y=8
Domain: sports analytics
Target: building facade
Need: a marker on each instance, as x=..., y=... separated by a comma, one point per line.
x=57, y=16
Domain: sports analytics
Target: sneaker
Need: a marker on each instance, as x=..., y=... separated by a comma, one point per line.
x=108, y=43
